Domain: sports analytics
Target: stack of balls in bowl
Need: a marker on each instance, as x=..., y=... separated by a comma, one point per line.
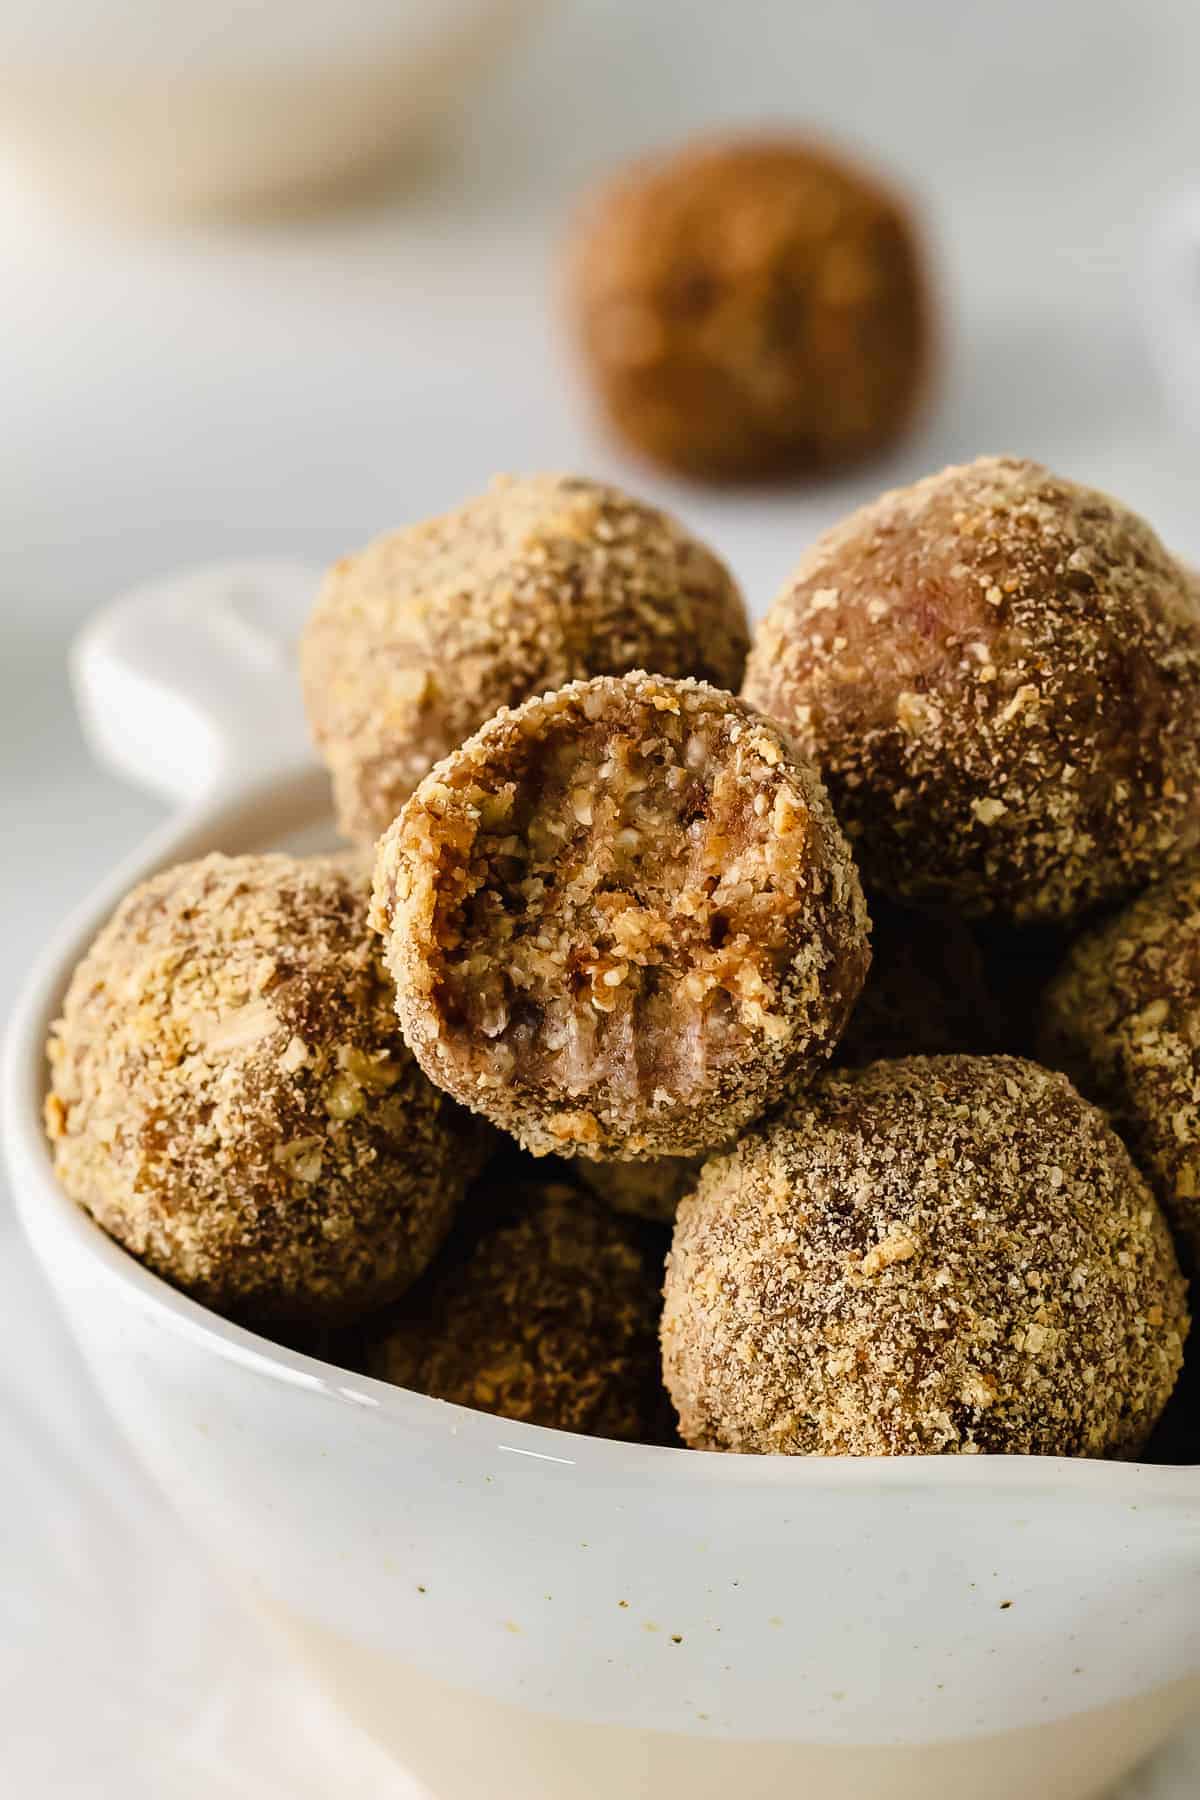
x=610, y=908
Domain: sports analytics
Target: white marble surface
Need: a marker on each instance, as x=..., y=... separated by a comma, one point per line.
x=174, y=398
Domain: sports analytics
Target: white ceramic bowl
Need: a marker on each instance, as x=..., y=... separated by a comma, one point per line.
x=521, y=1613
x=176, y=106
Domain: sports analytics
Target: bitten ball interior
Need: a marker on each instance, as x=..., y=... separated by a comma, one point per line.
x=620, y=918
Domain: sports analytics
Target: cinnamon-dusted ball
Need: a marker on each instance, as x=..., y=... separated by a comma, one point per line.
x=998, y=672
x=751, y=307
x=231, y=1100
x=420, y=638
x=621, y=919
x=545, y=1310
x=1123, y=1017
x=939, y=1254
x=645, y=1190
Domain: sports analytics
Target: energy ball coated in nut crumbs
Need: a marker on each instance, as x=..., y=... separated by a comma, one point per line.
x=1123, y=1017
x=936, y=1255
x=418, y=640
x=230, y=1098
x=621, y=919
x=998, y=673
x=549, y=1313
x=751, y=308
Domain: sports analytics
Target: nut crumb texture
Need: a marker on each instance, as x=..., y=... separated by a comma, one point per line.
x=230, y=1098
x=1123, y=1018
x=931, y=1256
x=544, y=1308
x=997, y=672
x=422, y=636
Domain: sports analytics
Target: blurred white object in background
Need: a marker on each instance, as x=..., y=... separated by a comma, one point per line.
x=1173, y=304
x=167, y=106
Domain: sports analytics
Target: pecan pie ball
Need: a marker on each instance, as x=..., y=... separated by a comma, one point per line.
x=751, y=308
x=546, y=1311
x=998, y=673
x=420, y=638
x=1123, y=1017
x=231, y=1100
x=621, y=919
x=930, y=1256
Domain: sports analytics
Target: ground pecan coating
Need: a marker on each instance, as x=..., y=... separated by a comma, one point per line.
x=420, y=638
x=928, y=1256
x=1123, y=1018
x=231, y=1100
x=998, y=673
x=545, y=1309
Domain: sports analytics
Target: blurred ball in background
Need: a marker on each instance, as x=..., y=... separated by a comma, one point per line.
x=751, y=307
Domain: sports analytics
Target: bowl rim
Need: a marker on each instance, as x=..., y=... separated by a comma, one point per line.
x=43, y=1205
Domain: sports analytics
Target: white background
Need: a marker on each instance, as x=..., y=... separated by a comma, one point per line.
x=168, y=398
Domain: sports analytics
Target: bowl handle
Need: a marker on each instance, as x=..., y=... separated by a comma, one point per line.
x=189, y=685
